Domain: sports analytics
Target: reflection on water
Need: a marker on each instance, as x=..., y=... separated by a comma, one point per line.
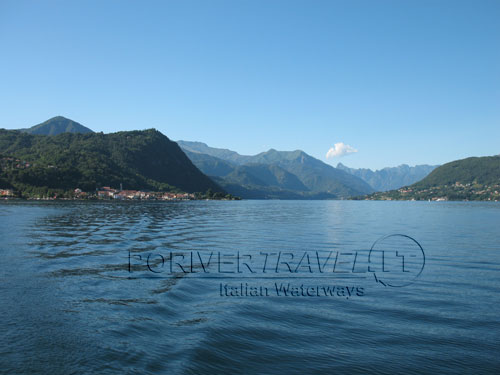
x=70, y=305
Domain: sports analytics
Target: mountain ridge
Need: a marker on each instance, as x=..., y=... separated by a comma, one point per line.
x=221, y=153
x=390, y=178
x=57, y=125
x=317, y=179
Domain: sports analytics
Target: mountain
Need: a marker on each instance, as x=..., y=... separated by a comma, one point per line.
x=210, y=165
x=476, y=178
x=390, y=178
x=221, y=153
x=145, y=160
x=252, y=181
x=57, y=125
x=266, y=175
x=274, y=174
x=314, y=174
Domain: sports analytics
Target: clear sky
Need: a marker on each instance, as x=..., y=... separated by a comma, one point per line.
x=399, y=81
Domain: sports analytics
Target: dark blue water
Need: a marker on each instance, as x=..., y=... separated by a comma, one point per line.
x=70, y=304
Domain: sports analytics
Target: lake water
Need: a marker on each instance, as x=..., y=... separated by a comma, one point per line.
x=169, y=288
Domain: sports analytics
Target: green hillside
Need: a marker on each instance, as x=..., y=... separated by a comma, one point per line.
x=476, y=170
x=137, y=159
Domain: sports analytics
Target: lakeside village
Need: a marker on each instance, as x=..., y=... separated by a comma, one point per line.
x=108, y=193
x=453, y=192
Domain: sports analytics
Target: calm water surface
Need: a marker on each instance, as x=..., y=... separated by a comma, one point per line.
x=70, y=305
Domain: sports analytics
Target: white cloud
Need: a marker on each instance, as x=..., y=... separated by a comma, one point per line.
x=340, y=149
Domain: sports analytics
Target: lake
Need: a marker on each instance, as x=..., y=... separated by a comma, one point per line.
x=249, y=287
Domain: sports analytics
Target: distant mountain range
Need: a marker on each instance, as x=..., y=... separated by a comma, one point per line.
x=314, y=175
x=390, y=178
x=35, y=164
x=476, y=178
x=274, y=174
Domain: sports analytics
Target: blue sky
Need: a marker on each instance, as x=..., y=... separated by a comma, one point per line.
x=400, y=81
